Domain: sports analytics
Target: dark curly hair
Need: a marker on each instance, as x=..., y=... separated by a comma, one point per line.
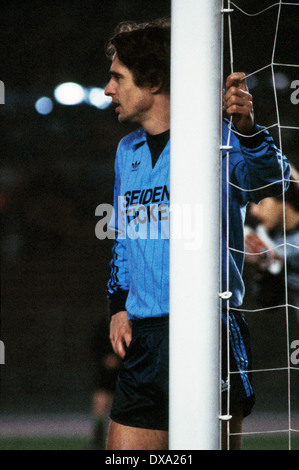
x=144, y=49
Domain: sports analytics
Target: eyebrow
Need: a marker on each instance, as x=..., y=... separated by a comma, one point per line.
x=115, y=74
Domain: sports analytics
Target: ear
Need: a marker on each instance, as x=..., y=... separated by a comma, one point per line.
x=156, y=84
x=155, y=89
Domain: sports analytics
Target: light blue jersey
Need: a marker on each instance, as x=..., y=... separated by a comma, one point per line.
x=139, y=281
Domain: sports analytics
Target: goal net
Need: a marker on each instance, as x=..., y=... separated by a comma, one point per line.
x=209, y=41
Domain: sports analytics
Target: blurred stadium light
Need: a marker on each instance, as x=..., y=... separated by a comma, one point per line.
x=69, y=93
x=44, y=105
x=97, y=98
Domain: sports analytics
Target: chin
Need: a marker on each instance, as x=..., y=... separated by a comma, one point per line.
x=124, y=119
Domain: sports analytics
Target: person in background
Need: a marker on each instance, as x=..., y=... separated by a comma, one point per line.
x=277, y=222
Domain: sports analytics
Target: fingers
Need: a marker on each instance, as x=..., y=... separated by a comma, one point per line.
x=120, y=333
x=120, y=342
x=118, y=346
x=237, y=79
x=237, y=102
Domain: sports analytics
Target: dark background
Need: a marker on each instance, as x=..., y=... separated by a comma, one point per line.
x=56, y=169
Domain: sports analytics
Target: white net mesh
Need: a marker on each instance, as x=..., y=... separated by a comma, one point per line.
x=272, y=290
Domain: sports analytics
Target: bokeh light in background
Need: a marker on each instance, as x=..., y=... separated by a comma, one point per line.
x=69, y=93
x=97, y=98
x=44, y=105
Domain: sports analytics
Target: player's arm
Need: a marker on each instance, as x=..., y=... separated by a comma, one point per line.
x=118, y=284
x=257, y=162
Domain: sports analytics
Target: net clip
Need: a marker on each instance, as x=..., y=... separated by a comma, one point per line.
x=225, y=147
x=225, y=295
x=227, y=10
x=225, y=417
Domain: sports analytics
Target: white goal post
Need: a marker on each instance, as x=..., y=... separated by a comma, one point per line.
x=195, y=224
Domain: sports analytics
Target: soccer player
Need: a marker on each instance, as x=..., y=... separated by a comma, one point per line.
x=139, y=284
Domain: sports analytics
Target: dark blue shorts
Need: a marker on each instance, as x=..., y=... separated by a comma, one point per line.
x=141, y=395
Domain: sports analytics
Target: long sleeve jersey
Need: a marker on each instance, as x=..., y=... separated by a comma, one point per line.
x=139, y=281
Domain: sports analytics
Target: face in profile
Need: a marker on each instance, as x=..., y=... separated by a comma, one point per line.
x=133, y=103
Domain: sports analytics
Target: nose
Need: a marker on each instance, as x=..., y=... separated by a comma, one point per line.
x=109, y=90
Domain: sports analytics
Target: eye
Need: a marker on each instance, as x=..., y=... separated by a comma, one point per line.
x=116, y=76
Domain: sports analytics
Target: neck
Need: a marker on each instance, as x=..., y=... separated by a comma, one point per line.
x=158, y=120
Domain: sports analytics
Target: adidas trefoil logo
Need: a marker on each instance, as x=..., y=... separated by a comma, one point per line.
x=135, y=166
